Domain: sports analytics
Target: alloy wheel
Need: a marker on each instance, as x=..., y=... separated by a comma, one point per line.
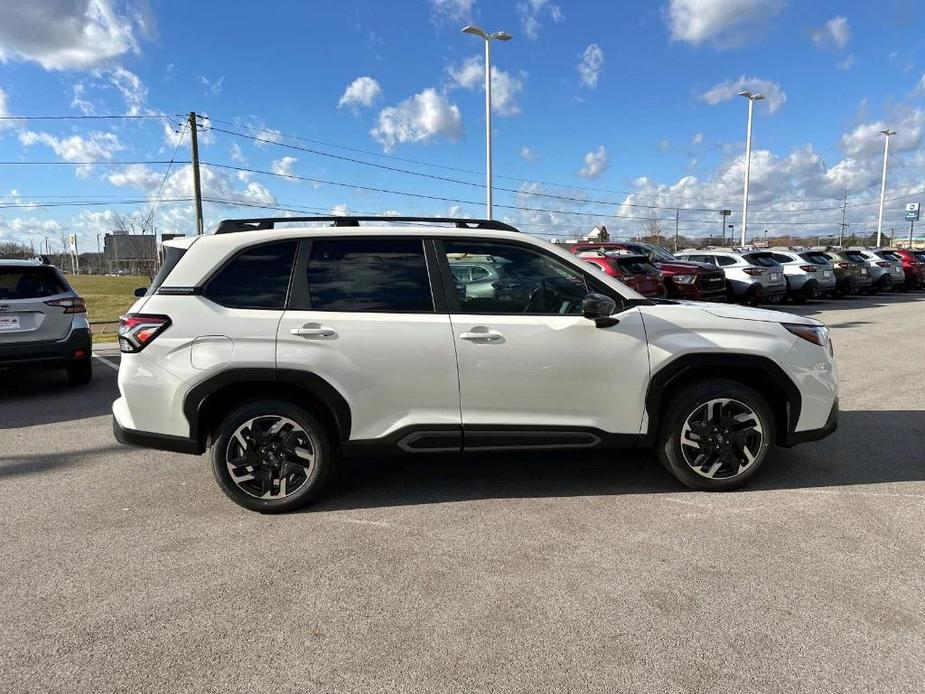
x=721, y=438
x=271, y=456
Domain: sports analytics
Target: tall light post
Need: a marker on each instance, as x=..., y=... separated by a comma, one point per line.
x=886, y=156
x=488, y=38
x=752, y=98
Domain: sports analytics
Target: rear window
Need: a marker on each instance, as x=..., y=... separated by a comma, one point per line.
x=172, y=256
x=855, y=256
x=816, y=258
x=920, y=257
x=762, y=259
x=888, y=255
x=257, y=278
x=633, y=265
x=30, y=283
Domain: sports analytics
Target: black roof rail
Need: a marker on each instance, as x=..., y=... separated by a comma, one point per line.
x=227, y=226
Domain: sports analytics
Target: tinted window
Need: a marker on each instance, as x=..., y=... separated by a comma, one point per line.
x=29, y=283
x=762, y=259
x=369, y=275
x=817, y=258
x=256, y=278
x=172, y=256
x=527, y=281
x=856, y=256
x=634, y=265
x=781, y=258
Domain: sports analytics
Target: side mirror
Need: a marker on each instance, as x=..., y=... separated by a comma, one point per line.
x=141, y=291
x=599, y=308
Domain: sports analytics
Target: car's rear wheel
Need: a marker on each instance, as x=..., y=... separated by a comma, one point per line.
x=716, y=435
x=79, y=372
x=271, y=456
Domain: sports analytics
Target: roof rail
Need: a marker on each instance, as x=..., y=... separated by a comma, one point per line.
x=227, y=226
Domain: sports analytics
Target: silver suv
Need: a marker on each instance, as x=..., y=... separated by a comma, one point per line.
x=805, y=279
x=752, y=277
x=43, y=322
x=886, y=268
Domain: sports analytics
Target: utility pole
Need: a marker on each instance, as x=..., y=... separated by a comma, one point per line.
x=197, y=189
x=724, y=214
x=677, y=223
x=844, y=213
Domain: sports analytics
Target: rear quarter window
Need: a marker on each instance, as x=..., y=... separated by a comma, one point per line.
x=30, y=283
x=256, y=278
x=761, y=259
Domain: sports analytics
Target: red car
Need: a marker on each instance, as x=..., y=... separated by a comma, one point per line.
x=635, y=271
x=683, y=279
x=913, y=266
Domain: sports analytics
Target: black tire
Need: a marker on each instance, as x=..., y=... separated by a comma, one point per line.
x=80, y=372
x=753, y=297
x=269, y=460
x=689, y=402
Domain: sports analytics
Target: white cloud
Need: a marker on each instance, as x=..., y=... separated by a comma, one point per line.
x=419, y=118
x=67, y=34
x=133, y=91
x=21, y=229
x=236, y=154
x=775, y=97
x=455, y=10
x=847, y=63
x=532, y=12
x=213, y=87
x=363, y=91
x=596, y=163
x=697, y=139
x=174, y=135
x=5, y=111
x=866, y=140
x=835, y=33
x=590, y=65
x=505, y=88
x=664, y=145
x=340, y=210
x=283, y=167
x=94, y=147
x=136, y=176
x=725, y=23
x=528, y=154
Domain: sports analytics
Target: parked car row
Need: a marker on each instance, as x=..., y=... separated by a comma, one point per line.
x=756, y=276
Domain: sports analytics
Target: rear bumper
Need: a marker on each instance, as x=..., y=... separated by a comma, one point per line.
x=162, y=442
x=58, y=352
x=831, y=424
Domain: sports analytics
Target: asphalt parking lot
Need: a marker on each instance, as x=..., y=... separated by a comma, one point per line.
x=128, y=570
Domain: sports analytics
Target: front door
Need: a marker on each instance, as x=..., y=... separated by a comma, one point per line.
x=363, y=317
x=528, y=360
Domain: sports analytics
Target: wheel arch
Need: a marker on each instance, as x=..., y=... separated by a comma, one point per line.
x=760, y=373
x=209, y=402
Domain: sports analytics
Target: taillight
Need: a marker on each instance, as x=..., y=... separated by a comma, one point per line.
x=70, y=305
x=138, y=330
x=754, y=271
x=809, y=268
x=883, y=264
x=844, y=265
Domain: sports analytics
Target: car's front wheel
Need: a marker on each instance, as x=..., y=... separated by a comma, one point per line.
x=715, y=435
x=271, y=456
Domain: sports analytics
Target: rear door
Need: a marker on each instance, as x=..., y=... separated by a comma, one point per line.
x=25, y=315
x=365, y=316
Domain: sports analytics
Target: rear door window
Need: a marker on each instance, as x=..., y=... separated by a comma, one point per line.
x=635, y=266
x=257, y=278
x=29, y=283
x=377, y=275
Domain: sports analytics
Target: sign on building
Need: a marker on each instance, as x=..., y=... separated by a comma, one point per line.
x=912, y=212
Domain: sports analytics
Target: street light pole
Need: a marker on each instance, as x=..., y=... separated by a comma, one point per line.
x=752, y=98
x=488, y=38
x=886, y=156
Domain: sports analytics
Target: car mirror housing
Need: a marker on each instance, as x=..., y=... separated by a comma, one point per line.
x=141, y=291
x=599, y=308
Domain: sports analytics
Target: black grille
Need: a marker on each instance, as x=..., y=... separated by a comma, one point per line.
x=711, y=280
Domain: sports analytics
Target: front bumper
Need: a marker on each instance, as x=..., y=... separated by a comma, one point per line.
x=831, y=424
x=59, y=352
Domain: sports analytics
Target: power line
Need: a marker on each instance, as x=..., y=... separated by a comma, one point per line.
x=164, y=180
x=103, y=162
x=85, y=203
x=125, y=116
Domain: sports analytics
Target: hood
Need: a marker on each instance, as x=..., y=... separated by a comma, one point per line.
x=686, y=266
x=747, y=313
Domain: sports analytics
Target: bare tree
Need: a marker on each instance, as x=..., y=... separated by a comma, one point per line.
x=14, y=250
x=653, y=229
x=135, y=223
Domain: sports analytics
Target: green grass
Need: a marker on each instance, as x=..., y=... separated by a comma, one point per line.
x=107, y=297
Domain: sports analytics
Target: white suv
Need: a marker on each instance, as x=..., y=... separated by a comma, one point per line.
x=284, y=348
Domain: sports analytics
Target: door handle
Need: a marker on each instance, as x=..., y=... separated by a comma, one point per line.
x=482, y=336
x=313, y=331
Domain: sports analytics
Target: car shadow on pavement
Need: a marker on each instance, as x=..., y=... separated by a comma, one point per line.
x=870, y=447
x=34, y=464
x=30, y=397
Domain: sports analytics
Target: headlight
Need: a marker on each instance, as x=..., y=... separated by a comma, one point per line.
x=817, y=334
x=684, y=279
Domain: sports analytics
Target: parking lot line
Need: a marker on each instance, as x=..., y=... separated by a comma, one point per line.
x=108, y=363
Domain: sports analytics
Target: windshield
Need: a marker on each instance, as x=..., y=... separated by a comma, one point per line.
x=762, y=259
x=816, y=258
x=655, y=252
x=29, y=283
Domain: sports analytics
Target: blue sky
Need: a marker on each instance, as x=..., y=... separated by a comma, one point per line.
x=605, y=112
